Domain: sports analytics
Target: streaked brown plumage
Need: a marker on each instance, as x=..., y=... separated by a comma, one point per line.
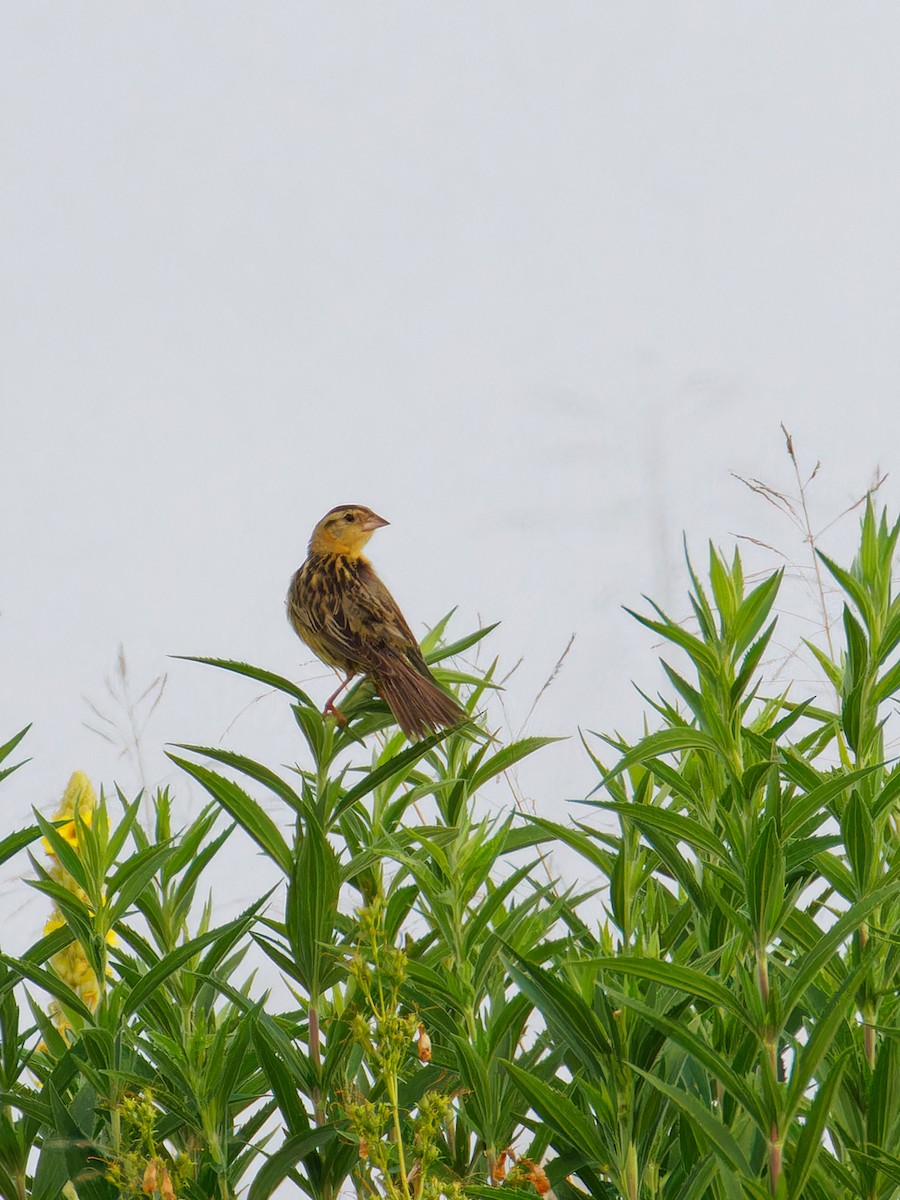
x=341, y=609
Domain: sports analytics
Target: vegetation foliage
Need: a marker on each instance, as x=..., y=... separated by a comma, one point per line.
x=717, y=1016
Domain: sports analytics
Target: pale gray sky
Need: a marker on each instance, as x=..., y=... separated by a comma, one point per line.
x=531, y=280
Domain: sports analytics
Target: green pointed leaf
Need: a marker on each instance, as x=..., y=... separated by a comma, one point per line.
x=720, y=1140
x=278, y=1166
x=832, y=670
x=50, y=984
x=568, y=1017
x=820, y=798
x=754, y=610
x=130, y=880
x=685, y=979
x=570, y=1124
x=6, y=749
x=648, y=818
x=700, y=654
x=852, y=587
x=667, y=741
x=748, y=667
x=249, y=815
x=880, y=1160
x=181, y=955
x=396, y=765
x=278, y=682
x=828, y=942
x=705, y=1054
x=253, y=770
x=839, y=1009
x=506, y=758
x=765, y=882
x=439, y=653
x=17, y=841
x=312, y=910
x=859, y=837
x=888, y=684
x=883, y=1115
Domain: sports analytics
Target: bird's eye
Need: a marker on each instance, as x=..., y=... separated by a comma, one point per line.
x=349, y=517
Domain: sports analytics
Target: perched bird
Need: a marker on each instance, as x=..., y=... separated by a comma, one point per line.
x=341, y=609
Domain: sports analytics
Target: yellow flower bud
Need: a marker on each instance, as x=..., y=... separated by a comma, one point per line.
x=79, y=797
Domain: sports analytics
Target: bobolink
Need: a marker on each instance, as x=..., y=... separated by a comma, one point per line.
x=341, y=609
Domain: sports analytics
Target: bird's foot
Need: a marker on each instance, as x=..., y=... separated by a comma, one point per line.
x=332, y=709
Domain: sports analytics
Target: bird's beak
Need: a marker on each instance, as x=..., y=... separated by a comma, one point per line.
x=374, y=522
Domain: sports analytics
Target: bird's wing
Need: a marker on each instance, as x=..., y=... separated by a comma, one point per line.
x=375, y=619
x=351, y=619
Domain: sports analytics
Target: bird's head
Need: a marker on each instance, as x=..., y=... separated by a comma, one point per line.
x=345, y=530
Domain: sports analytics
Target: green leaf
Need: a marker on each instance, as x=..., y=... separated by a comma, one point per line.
x=694, y=700
x=667, y=741
x=507, y=1192
x=880, y=1160
x=703, y=658
x=171, y=962
x=50, y=984
x=723, y=589
x=648, y=818
x=278, y=1165
x=839, y=1008
x=253, y=770
x=719, y=1138
x=859, y=836
x=132, y=877
x=66, y=854
x=706, y=1054
x=828, y=942
x=883, y=1108
x=753, y=611
x=15, y=842
x=888, y=684
x=569, y=1018
x=286, y=1069
x=312, y=910
x=852, y=587
x=891, y=634
x=765, y=882
x=439, y=653
x=571, y=1126
x=809, y=1142
x=832, y=671
x=396, y=765
x=506, y=758
x=820, y=798
x=684, y=979
x=7, y=748
x=50, y=944
x=748, y=666
x=278, y=682
x=696, y=1186
x=249, y=815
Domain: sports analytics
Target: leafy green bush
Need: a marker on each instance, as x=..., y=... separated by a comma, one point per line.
x=720, y=1021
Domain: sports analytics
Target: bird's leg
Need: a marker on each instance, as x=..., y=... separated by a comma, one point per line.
x=331, y=707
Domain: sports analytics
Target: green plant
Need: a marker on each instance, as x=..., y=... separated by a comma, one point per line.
x=390, y=921
x=734, y=1032
x=458, y=1023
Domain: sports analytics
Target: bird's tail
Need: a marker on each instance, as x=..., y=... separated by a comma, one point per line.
x=418, y=704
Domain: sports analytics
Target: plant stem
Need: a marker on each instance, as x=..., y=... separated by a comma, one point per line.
x=315, y=1055
x=390, y=1083
x=774, y=1159
x=762, y=966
